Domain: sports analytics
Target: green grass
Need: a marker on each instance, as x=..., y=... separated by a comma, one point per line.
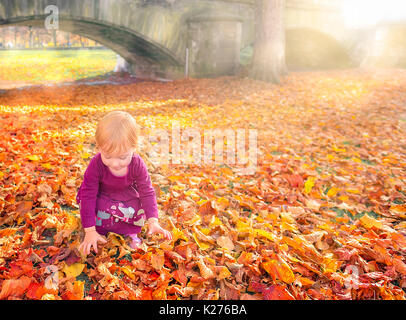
x=39, y=66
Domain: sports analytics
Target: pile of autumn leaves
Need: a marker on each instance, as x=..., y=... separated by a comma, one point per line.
x=275, y=235
x=213, y=255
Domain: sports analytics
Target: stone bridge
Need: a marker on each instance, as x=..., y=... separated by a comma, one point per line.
x=201, y=38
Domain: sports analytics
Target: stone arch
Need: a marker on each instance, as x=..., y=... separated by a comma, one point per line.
x=144, y=54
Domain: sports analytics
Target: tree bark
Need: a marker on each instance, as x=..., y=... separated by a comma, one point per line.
x=268, y=62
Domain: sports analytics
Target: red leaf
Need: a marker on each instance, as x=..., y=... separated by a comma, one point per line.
x=277, y=292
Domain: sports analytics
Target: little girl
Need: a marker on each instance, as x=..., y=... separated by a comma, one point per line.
x=116, y=194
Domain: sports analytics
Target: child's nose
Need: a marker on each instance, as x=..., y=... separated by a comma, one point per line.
x=115, y=163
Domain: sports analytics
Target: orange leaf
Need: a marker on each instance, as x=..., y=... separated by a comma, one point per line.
x=223, y=273
x=75, y=291
x=295, y=180
x=207, y=208
x=277, y=292
x=225, y=242
x=160, y=293
x=15, y=287
x=204, y=270
x=8, y=232
x=157, y=261
x=279, y=269
x=246, y=258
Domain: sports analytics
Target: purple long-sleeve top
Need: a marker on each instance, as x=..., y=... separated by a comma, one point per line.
x=99, y=181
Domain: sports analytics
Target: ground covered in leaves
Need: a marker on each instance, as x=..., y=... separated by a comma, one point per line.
x=322, y=217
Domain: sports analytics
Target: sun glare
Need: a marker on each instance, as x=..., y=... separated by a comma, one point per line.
x=365, y=13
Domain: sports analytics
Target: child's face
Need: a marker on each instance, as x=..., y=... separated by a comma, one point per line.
x=117, y=162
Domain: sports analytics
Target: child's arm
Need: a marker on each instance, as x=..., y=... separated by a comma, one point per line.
x=88, y=196
x=148, y=199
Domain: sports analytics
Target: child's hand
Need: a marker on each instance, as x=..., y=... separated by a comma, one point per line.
x=92, y=237
x=154, y=227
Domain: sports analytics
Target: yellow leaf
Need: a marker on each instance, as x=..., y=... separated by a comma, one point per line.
x=201, y=202
x=356, y=191
x=202, y=245
x=73, y=270
x=309, y=184
x=205, y=231
x=325, y=226
x=223, y=202
x=288, y=226
x=86, y=155
x=192, y=195
x=47, y=166
x=216, y=222
x=178, y=188
x=128, y=272
x=369, y=222
x=265, y=234
x=338, y=149
x=33, y=158
x=332, y=192
x=330, y=265
x=175, y=178
x=71, y=223
x=242, y=227
x=399, y=210
x=178, y=234
x=343, y=198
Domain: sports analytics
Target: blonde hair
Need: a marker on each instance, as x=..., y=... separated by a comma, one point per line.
x=116, y=132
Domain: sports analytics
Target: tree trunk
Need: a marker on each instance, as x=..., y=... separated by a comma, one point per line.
x=268, y=62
